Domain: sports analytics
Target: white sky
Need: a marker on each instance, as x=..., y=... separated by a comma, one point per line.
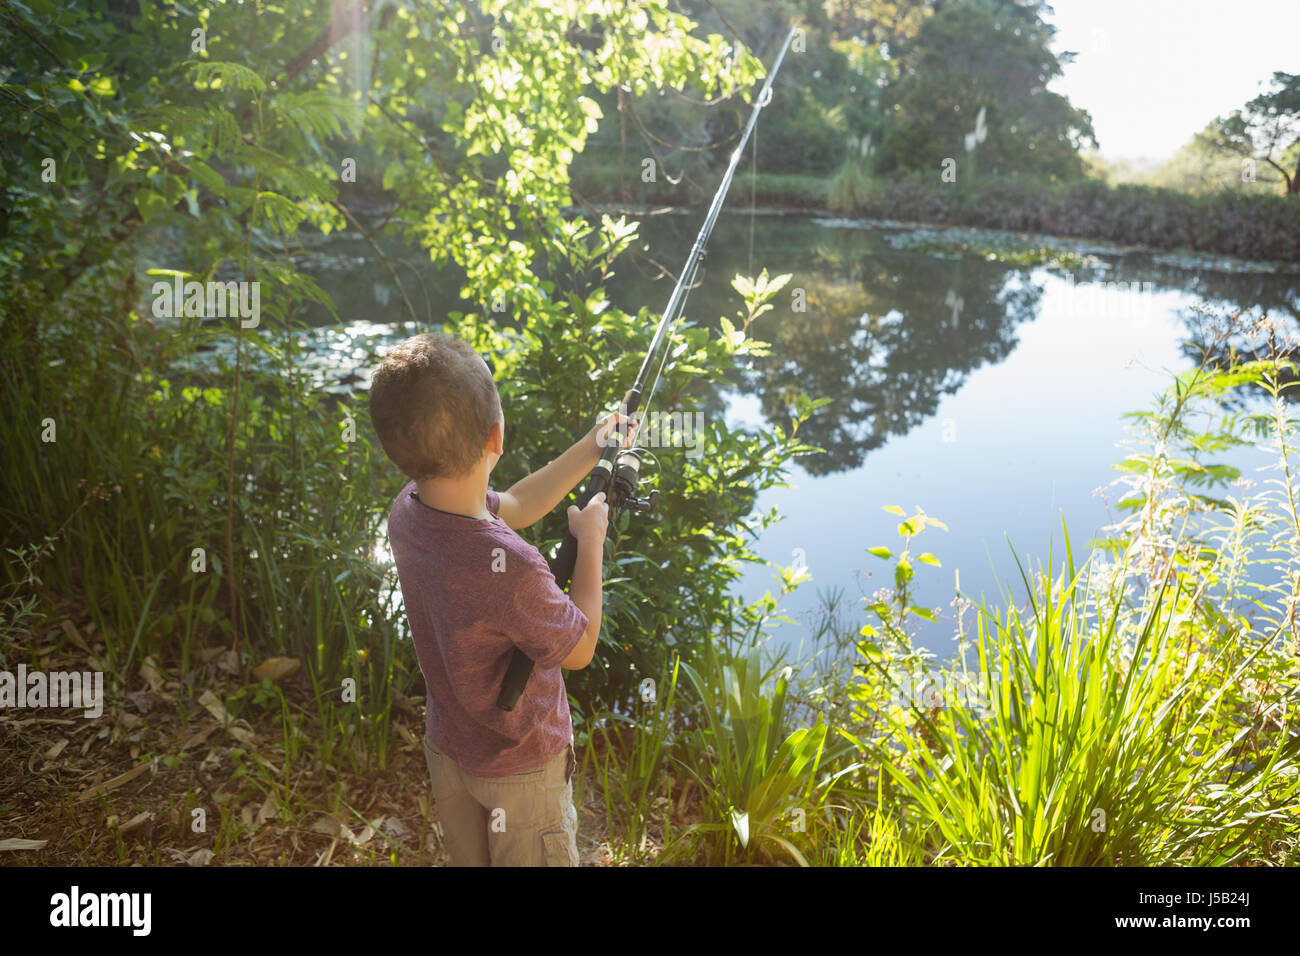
x=1154, y=72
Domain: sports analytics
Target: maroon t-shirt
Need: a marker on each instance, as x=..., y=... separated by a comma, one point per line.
x=474, y=590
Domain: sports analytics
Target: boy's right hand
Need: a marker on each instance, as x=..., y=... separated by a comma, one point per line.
x=591, y=523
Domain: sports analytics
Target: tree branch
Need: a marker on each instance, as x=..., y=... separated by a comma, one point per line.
x=342, y=23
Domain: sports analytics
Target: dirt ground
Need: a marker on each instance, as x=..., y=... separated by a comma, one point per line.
x=123, y=788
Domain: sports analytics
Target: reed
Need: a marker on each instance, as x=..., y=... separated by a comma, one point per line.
x=631, y=765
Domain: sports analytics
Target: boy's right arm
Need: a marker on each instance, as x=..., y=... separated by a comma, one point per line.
x=588, y=526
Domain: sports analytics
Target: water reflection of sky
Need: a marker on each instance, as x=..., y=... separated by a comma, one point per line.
x=1019, y=444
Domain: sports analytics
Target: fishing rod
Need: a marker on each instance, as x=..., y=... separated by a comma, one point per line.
x=618, y=471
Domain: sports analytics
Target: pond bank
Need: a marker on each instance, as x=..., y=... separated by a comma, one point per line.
x=1245, y=224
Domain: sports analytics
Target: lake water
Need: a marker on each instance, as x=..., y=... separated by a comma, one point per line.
x=990, y=395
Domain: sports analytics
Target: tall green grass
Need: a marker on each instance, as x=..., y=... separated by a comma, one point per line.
x=628, y=754
x=1091, y=752
x=758, y=774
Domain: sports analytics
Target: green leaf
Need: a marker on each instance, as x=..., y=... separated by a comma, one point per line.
x=880, y=552
x=217, y=74
x=927, y=558
x=173, y=188
x=205, y=175
x=149, y=203
x=893, y=509
x=743, y=286
x=730, y=334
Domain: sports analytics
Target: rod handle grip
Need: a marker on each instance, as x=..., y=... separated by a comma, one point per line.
x=521, y=665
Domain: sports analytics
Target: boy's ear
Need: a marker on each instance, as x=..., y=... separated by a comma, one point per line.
x=495, y=442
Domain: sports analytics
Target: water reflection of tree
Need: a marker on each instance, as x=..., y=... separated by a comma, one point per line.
x=1223, y=336
x=884, y=337
x=878, y=337
x=1273, y=293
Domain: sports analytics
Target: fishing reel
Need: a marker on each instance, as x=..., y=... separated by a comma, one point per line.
x=623, y=486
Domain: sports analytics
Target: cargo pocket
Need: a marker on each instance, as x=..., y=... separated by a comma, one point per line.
x=558, y=848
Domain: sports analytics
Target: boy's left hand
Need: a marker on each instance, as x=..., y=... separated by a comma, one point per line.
x=603, y=433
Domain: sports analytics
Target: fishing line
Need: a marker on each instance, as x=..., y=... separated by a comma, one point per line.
x=753, y=193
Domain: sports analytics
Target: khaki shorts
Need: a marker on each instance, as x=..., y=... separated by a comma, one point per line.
x=527, y=819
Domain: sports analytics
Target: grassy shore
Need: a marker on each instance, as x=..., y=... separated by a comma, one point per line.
x=1125, y=711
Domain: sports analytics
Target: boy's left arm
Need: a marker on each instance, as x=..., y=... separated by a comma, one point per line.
x=529, y=499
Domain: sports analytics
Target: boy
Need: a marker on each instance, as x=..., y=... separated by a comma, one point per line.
x=474, y=590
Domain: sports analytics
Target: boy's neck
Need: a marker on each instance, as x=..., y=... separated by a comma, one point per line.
x=466, y=496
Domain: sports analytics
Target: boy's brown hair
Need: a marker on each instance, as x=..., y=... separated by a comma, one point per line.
x=433, y=403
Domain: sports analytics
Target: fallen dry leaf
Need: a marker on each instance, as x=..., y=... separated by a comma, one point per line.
x=20, y=844
x=139, y=820
x=368, y=832
x=119, y=780
x=200, y=735
x=200, y=857
x=103, y=732
x=270, y=809
x=395, y=829
x=74, y=635
x=213, y=705
x=330, y=826
x=244, y=733
x=56, y=749
x=152, y=675
x=276, y=668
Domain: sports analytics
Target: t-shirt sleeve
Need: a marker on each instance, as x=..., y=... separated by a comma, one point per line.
x=493, y=501
x=543, y=621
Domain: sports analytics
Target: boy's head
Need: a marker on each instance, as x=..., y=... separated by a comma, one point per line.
x=434, y=405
